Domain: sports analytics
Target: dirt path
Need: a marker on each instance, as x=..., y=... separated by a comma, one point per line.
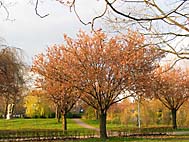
x=84, y=125
x=180, y=133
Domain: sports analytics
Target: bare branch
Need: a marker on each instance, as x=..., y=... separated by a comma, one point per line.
x=163, y=16
x=171, y=66
x=97, y=17
x=36, y=10
x=5, y=8
x=75, y=11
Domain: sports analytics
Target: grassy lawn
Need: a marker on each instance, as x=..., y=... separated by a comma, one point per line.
x=113, y=126
x=18, y=124
x=133, y=140
x=15, y=124
x=110, y=126
x=28, y=124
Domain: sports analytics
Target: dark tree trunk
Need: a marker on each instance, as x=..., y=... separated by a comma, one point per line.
x=59, y=116
x=97, y=114
x=6, y=109
x=64, y=122
x=174, y=118
x=103, y=133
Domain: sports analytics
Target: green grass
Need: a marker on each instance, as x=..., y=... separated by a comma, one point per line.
x=20, y=124
x=113, y=126
x=124, y=139
x=15, y=124
x=94, y=123
x=32, y=124
x=110, y=126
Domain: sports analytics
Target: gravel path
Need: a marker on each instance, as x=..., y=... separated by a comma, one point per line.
x=84, y=125
x=180, y=133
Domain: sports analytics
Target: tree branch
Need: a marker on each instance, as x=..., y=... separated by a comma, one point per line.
x=36, y=10
x=142, y=19
x=5, y=8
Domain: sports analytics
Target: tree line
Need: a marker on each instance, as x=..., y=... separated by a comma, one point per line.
x=98, y=69
x=102, y=71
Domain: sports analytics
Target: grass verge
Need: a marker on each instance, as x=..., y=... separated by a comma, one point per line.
x=28, y=124
x=127, y=139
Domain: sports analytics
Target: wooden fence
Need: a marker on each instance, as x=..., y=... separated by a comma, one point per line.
x=29, y=135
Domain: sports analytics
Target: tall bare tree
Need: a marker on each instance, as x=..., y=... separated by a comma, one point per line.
x=11, y=75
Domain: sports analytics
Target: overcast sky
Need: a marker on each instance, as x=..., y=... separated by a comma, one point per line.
x=29, y=32
x=33, y=34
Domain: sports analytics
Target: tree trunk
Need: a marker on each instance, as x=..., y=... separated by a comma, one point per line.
x=103, y=133
x=174, y=118
x=6, y=109
x=97, y=114
x=13, y=110
x=58, y=113
x=64, y=122
x=139, y=121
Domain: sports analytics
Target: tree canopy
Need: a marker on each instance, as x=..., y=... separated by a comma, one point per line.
x=12, y=70
x=171, y=88
x=99, y=67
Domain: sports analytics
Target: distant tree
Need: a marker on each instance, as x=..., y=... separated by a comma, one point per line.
x=183, y=115
x=36, y=104
x=12, y=70
x=49, y=67
x=98, y=67
x=63, y=97
x=90, y=113
x=172, y=89
x=121, y=113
